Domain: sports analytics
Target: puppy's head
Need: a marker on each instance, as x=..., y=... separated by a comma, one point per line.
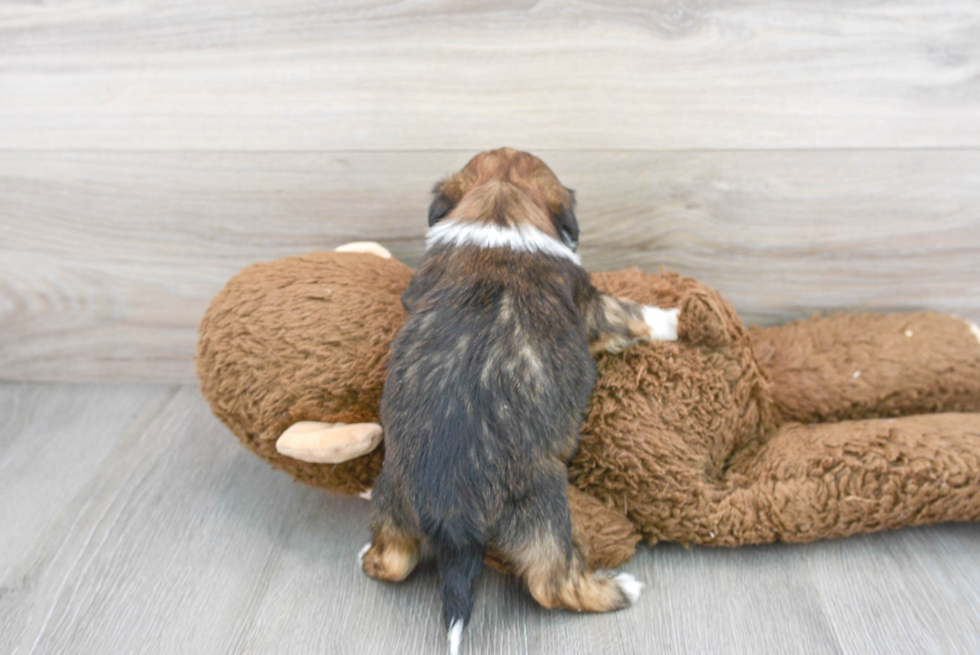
x=509, y=189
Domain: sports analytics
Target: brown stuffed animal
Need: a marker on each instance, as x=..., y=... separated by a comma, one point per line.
x=822, y=428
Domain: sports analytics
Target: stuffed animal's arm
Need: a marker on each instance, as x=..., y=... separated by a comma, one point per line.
x=853, y=366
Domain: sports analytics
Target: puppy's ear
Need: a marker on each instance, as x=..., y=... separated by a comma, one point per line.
x=441, y=205
x=567, y=224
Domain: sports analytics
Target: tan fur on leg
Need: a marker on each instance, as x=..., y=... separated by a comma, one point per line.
x=392, y=556
x=556, y=581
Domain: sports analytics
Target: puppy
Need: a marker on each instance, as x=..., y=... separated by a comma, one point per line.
x=487, y=386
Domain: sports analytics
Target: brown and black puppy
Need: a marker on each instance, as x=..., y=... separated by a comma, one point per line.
x=487, y=386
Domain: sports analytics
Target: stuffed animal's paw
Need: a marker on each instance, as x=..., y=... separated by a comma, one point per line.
x=370, y=247
x=707, y=320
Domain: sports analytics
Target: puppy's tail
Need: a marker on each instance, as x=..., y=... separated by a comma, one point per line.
x=459, y=566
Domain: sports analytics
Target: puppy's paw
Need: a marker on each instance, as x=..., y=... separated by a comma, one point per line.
x=662, y=323
x=629, y=585
x=389, y=562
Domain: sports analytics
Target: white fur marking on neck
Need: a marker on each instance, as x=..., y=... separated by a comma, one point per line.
x=524, y=238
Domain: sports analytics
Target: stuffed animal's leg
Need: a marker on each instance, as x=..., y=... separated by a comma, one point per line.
x=853, y=366
x=837, y=479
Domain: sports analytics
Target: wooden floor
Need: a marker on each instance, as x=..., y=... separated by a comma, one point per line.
x=133, y=522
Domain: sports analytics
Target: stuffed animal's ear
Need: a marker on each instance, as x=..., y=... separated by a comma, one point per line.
x=328, y=443
x=567, y=224
x=440, y=207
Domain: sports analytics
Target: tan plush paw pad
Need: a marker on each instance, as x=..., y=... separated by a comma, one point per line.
x=328, y=443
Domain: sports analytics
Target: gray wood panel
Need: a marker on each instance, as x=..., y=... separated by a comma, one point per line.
x=108, y=260
x=134, y=523
x=57, y=447
x=370, y=75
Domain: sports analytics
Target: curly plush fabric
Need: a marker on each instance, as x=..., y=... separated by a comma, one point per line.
x=303, y=339
x=821, y=428
x=854, y=366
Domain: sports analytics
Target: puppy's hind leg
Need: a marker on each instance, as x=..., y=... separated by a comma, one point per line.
x=392, y=554
x=394, y=550
x=536, y=538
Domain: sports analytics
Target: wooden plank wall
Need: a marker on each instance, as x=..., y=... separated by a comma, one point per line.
x=797, y=156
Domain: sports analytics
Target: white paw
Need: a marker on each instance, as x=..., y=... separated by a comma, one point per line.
x=362, y=552
x=630, y=586
x=662, y=322
x=366, y=494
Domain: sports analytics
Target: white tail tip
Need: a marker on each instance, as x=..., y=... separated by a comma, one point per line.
x=630, y=586
x=455, y=634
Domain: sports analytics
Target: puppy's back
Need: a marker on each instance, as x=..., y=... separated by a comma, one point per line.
x=487, y=382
